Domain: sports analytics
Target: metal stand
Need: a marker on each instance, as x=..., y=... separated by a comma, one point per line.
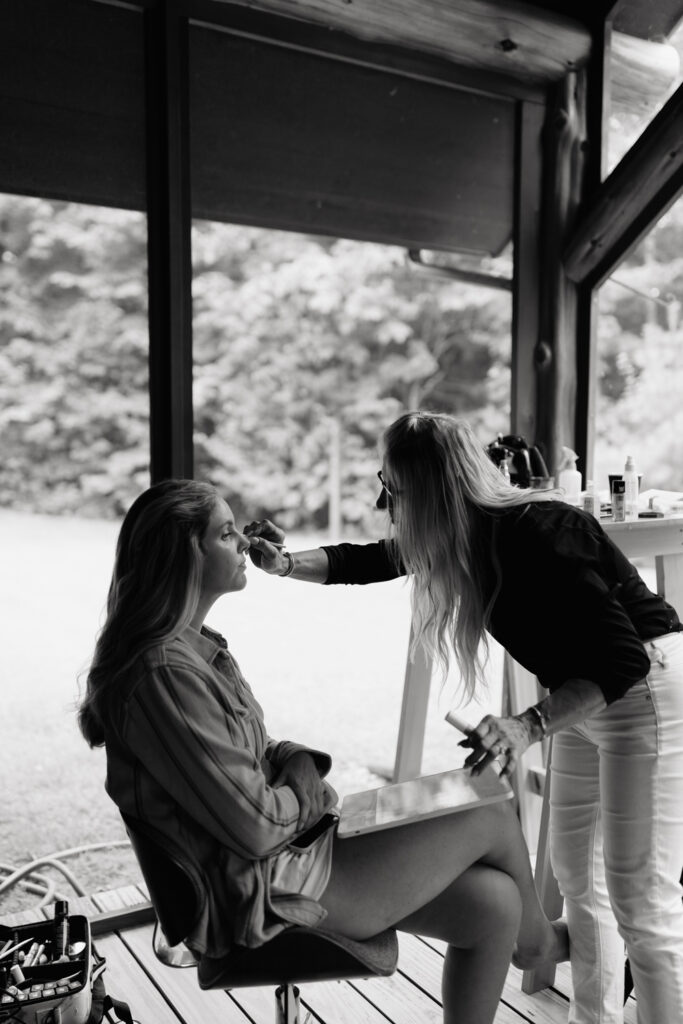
x=287, y=1005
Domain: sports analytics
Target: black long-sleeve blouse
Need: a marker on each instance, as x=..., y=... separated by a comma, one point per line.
x=568, y=604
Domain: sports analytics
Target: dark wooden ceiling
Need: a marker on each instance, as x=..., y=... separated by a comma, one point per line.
x=392, y=121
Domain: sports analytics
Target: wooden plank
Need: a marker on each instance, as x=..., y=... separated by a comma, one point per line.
x=339, y=1002
x=125, y=979
x=546, y=1007
x=509, y=37
x=360, y=1001
x=116, y=899
x=111, y=920
x=318, y=39
x=81, y=905
x=20, y=917
x=635, y=195
x=257, y=1003
x=62, y=140
x=180, y=984
x=401, y=999
x=365, y=154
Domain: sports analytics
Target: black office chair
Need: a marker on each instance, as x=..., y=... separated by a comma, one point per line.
x=298, y=954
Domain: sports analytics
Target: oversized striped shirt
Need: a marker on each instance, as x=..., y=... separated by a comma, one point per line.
x=188, y=753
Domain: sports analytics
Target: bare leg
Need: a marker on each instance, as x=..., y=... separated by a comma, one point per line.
x=405, y=877
x=479, y=916
x=380, y=878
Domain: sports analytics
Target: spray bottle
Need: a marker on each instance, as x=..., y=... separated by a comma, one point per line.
x=569, y=478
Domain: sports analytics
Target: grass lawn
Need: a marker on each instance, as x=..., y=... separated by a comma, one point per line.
x=327, y=664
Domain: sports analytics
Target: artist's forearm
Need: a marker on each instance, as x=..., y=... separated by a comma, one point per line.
x=310, y=566
x=572, y=702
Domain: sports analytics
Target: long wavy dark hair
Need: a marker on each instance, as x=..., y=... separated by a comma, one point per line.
x=154, y=589
x=442, y=481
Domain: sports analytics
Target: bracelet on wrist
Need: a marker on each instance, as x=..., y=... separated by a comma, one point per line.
x=538, y=713
x=290, y=564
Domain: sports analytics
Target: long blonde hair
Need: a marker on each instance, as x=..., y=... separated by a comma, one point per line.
x=154, y=590
x=443, y=485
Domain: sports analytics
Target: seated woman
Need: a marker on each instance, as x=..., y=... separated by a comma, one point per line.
x=188, y=753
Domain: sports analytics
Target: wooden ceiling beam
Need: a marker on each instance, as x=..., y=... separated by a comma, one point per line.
x=527, y=43
x=637, y=192
x=641, y=73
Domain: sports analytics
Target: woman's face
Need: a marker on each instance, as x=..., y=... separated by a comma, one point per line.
x=223, y=547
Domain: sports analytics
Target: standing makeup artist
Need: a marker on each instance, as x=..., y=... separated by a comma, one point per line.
x=546, y=581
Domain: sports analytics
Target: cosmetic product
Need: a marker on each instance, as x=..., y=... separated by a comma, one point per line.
x=569, y=478
x=60, y=935
x=619, y=501
x=591, y=500
x=459, y=723
x=631, y=489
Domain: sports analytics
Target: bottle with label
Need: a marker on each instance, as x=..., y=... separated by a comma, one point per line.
x=631, y=488
x=591, y=500
x=569, y=478
x=618, y=501
x=60, y=938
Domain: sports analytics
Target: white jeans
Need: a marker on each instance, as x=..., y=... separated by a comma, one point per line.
x=616, y=842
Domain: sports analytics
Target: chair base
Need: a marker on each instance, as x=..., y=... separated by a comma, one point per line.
x=287, y=1005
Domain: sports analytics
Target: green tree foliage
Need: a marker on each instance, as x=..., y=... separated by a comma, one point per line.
x=73, y=343
x=297, y=340
x=312, y=333
x=640, y=360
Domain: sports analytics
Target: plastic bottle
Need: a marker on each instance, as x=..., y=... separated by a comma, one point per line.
x=618, y=501
x=631, y=488
x=591, y=501
x=569, y=478
x=505, y=469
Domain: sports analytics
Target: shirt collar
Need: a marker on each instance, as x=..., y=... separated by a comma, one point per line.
x=208, y=644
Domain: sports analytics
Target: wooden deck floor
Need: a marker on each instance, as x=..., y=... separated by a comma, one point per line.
x=122, y=930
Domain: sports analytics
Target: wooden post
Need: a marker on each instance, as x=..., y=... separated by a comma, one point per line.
x=547, y=888
x=565, y=132
x=635, y=195
x=169, y=242
x=411, y=730
x=527, y=355
x=642, y=72
x=520, y=690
